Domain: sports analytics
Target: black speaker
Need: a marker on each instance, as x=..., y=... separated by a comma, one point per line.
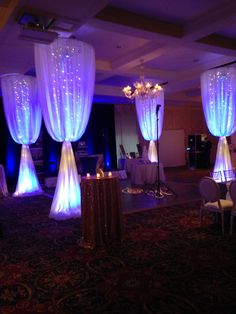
x=191, y=142
x=195, y=142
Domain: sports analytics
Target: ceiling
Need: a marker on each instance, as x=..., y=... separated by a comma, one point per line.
x=175, y=40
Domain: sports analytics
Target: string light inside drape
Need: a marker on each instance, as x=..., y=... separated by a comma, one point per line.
x=218, y=89
x=147, y=117
x=24, y=117
x=66, y=71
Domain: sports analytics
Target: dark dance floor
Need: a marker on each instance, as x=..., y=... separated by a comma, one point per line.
x=183, y=187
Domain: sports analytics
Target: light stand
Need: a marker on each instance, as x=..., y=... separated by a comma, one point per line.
x=158, y=193
x=156, y=187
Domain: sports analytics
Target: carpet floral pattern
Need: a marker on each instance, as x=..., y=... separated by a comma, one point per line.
x=165, y=263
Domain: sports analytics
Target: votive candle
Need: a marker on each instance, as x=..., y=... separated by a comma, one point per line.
x=109, y=174
x=88, y=175
x=98, y=175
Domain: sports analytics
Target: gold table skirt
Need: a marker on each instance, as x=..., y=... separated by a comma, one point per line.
x=101, y=211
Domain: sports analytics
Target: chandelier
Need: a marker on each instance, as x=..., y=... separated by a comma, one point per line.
x=142, y=88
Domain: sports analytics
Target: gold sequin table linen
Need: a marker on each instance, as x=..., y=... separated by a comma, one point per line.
x=101, y=211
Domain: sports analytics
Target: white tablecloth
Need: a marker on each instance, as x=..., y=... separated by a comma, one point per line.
x=130, y=163
x=3, y=183
x=142, y=174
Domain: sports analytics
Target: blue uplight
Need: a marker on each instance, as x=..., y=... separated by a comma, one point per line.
x=107, y=159
x=11, y=164
x=27, y=180
x=53, y=162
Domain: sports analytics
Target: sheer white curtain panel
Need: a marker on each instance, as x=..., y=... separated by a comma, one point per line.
x=218, y=90
x=24, y=118
x=65, y=71
x=146, y=108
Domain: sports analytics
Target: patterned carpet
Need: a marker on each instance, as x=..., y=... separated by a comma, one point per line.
x=166, y=264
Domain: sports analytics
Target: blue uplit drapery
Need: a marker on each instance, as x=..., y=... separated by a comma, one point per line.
x=218, y=89
x=24, y=117
x=66, y=72
x=147, y=117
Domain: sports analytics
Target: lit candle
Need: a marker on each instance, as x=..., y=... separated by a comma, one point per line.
x=109, y=174
x=88, y=175
x=98, y=175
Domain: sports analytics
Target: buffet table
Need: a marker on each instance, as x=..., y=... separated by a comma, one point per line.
x=146, y=173
x=130, y=163
x=101, y=211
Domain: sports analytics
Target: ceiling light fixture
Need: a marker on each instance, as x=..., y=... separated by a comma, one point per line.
x=142, y=88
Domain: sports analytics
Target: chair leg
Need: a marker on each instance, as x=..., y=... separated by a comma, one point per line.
x=231, y=224
x=200, y=216
x=223, y=223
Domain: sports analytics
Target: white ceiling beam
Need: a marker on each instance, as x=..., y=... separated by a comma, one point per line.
x=160, y=75
x=176, y=83
x=103, y=65
x=213, y=45
x=198, y=34
x=131, y=62
x=138, y=56
x=186, y=36
x=212, y=22
x=141, y=22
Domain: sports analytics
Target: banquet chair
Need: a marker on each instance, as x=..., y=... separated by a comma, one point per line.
x=229, y=175
x=232, y=193
x=211, y=201
x=216, y=175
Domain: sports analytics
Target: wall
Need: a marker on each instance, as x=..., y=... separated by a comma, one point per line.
x=187, y=118
x=172, y=148
x=191, y=120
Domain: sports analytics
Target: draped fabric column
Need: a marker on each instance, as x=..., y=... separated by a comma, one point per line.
x=218, y=89
x=66, y=72
x=24, y=117
x=146, y=112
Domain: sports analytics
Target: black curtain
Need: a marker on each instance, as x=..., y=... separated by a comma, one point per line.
x=99, y=137
x=9, y=151
x=100, y=134
x=51, y=153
